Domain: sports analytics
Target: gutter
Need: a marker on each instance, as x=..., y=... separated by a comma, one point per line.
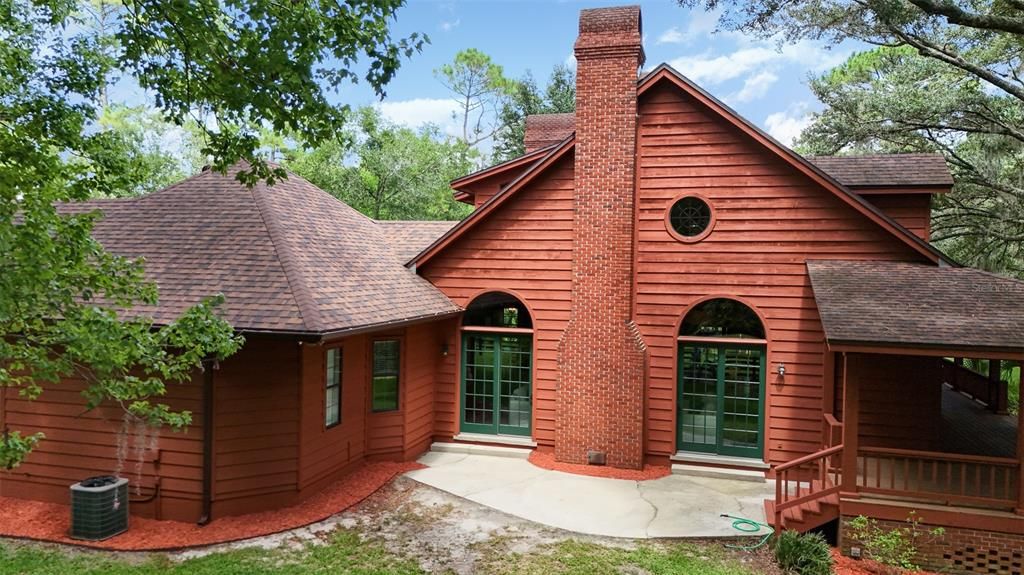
x=209, y=365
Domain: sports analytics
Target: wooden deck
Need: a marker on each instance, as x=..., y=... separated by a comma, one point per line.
x=969, y=427
x=974, y=464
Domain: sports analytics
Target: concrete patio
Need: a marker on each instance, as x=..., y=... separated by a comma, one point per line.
x=673, y=506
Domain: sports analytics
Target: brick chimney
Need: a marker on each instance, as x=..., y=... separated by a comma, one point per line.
x=601, y=354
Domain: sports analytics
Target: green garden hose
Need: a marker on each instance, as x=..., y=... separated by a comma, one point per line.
x=744, y=525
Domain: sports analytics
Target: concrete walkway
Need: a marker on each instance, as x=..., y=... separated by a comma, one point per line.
x=674, y=506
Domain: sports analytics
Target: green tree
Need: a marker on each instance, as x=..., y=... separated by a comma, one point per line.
x=894, y=100
x=67, y=307
x=389, y=172
x=479, y=87
x=945, y=77
x=559, y=96
x=154, y=153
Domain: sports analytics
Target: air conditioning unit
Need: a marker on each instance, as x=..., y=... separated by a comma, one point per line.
x=99, y=508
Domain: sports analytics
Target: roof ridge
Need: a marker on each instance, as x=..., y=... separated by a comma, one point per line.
x=416, y=221
x=875, y=155
x=297, y=283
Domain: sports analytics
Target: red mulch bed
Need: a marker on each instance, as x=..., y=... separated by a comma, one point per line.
x=547, y=461
x=51, y=521
x=851, y=566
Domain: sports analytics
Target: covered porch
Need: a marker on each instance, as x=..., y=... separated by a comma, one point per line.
x=908, y=423
x=929, y=443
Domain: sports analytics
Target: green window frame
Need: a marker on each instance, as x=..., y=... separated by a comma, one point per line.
x=727, y=398
x=332, y=387
x=387, y=361
x=497, y=383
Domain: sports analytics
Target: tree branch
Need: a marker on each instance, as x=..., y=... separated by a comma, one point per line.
x=957, y=15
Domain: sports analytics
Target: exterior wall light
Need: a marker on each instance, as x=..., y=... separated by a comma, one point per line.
x=782, y=370
x=444, y=350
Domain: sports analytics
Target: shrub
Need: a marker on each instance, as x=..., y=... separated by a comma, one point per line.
x=897, y=547
x=803, y=553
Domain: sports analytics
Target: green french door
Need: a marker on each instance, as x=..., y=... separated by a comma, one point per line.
x=496, y=383
x=721, y=398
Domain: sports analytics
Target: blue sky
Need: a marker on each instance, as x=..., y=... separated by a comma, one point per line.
x=764, y=83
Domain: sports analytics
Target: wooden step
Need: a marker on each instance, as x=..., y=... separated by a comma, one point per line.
x=805, y=516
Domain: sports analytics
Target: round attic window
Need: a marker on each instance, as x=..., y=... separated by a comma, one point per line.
x=690, y=218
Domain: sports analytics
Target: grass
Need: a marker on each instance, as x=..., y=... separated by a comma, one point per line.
x=346, y=552
x=580, y=558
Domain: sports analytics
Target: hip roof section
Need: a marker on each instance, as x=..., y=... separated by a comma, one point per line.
x=288, y=257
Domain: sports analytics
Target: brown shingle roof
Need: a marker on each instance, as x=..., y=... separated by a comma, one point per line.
x=914, y=305
x=288, y=257
x=886, y=170
x=408, y=238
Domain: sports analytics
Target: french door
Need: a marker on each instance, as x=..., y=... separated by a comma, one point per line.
x=496, y=383
x=721, y=398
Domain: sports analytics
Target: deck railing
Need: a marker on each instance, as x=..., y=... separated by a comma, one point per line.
x=832, y=430
x=808, y=478
x=947, y=478
x=991, y=393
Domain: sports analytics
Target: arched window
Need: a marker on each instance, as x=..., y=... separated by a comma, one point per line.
x=497, y=309
x=722, y=317
x=497, y=366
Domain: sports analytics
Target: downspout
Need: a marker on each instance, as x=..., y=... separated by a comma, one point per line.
x=207, y=496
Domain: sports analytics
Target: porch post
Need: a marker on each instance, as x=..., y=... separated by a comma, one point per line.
x=996, y=390
x=851, y=407
x=828, y=395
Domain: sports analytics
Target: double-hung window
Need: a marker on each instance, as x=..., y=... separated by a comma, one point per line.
x=332, y=380
x=386, y=362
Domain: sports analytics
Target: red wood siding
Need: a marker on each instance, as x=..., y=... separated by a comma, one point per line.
x=81, y=444
x=525, y=247
x=423, y=351
x=770, y=219
x=325, y=454
x=446, y=383
x=900, y=400
x=912, y=211
x=256, y=427
x=385, y=431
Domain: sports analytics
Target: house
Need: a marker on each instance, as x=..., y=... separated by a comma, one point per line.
x=655, y=281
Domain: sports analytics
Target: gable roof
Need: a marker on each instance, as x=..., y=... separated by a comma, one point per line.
x=552, y=155
x=941, y=307
x=666, y=72
x=816, y=174
x=886, y=170
x=914, y=170
x=289, y=257
x=525, y=160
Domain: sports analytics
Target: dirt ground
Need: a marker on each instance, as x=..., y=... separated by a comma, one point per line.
x=447, y=534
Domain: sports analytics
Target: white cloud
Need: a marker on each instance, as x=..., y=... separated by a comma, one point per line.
x=754, y=87
x=570, y=61
x=449, y=25
x=698, y=24
x=786, y=126
x=705, y=69
x=761, y=56
x=420, y=111
x=671, y=36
